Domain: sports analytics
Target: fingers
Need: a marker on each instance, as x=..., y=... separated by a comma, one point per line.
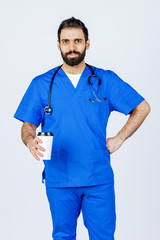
x=36, y=145
x=35, y=156
x=38, y=140
x=35, y=152
x=34, y=148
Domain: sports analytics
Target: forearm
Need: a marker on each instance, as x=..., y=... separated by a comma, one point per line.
x=28, y=132
x=135, y=119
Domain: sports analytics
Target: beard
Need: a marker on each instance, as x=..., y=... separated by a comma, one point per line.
x=73, y=60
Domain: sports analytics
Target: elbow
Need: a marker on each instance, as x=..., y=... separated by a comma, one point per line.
x=147, y=108
x=143, y=108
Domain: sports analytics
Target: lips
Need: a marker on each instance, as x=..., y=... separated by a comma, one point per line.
x=72, y=55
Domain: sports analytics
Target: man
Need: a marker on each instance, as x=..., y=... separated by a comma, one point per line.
x=79, y=174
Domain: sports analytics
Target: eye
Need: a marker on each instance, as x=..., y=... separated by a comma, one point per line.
x=65, y=41
x=78, y=40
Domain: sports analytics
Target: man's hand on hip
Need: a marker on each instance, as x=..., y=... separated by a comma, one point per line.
x=113, y=144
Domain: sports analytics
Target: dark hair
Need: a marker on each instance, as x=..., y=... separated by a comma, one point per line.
x=72, y=23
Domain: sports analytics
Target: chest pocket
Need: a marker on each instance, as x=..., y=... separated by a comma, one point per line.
x=97, y=112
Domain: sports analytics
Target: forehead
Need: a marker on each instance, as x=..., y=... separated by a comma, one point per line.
x=72, y=33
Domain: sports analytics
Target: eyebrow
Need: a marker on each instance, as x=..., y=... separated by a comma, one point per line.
x=74, y=39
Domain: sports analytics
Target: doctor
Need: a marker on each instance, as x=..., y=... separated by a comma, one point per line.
x=79, y=175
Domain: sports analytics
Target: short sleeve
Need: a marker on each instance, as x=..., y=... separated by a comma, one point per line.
x=123, y=97
x=30, y=108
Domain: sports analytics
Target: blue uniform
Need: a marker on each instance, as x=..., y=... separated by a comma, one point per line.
x=79, y=156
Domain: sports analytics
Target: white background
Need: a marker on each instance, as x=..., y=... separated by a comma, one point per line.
x=124, y=38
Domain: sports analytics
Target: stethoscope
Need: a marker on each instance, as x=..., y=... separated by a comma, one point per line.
x=48, y=108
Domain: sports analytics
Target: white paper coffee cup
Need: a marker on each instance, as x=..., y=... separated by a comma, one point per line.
x=47, y=139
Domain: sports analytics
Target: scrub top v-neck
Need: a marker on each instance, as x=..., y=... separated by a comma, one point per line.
x=74, y=78
x=68, y=84
x=79, y=153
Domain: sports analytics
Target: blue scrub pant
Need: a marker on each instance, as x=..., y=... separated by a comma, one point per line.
x=98, y=209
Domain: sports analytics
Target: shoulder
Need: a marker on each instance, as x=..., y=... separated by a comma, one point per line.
x=103, y=72
x=110, y=79
x=45, y=77
x=107, y=75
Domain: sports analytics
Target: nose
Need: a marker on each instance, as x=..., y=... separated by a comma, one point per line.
x=72, y=46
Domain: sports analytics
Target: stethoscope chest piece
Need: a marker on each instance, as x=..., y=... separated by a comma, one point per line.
x=48, y=110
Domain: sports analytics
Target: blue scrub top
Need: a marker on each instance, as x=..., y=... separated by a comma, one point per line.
x=79, y=153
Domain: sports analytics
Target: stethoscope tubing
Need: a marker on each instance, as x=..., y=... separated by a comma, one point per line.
x=48, y=108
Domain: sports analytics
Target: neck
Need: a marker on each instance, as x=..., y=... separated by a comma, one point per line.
x=77, y=69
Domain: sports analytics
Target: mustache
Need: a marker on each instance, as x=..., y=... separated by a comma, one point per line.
x=72, y=52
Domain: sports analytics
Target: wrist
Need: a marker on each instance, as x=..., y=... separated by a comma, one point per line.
x=120, y=138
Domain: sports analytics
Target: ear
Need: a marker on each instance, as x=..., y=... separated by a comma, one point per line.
x=88, y=44
x=58, y=45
